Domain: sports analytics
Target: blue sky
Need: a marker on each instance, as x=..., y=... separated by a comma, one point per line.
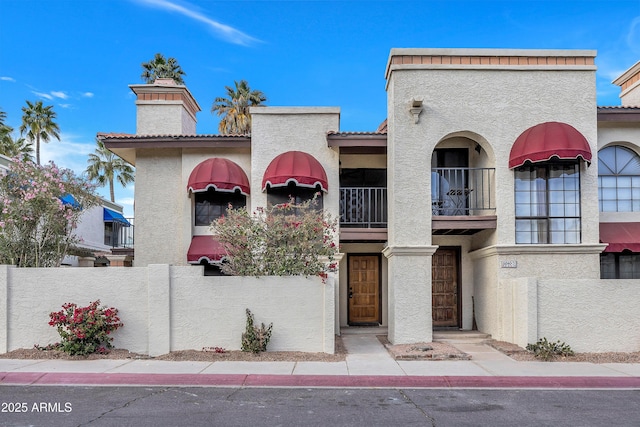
x=81, y=55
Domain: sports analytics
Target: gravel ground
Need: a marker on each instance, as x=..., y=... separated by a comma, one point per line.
x=520, y=354
x=421, y=351
x=203, y=355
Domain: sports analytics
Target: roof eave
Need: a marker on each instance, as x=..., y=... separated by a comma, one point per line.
x=358, y=143
x=619, y=114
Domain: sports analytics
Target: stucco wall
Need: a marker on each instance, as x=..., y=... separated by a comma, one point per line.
x=589, y=315
x=160, y=221
x=91, y=229
x=496, y=265
x=491, y=104
x=301, y=310
x=162, y=118
x=166, y=308
x=496, y=104
x=485, y=292
x=275, y=130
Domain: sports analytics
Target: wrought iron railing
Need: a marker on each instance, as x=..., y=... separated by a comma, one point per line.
x=121, y=236
x=363, y=207
x=462, y=191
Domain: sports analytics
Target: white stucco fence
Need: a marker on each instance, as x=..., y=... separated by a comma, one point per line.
x=590, y=315
x=166, y=308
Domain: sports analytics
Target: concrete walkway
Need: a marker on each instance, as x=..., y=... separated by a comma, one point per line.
x=367, y=364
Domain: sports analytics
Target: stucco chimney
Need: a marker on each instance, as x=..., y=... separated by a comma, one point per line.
x=165, y=108
x=629, y=83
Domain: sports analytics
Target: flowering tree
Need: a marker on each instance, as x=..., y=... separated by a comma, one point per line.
x=282, y=240
x=37, y=216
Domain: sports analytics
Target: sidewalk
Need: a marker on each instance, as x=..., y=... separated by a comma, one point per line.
x=367, y=364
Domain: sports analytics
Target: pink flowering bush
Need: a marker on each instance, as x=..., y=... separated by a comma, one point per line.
x=36, y=226
x=85, y=330
x=282, y=240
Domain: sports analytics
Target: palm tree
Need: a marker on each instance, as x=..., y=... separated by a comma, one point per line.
x=39, y=125
x=161, y=67
x=104, y=166
x=13, y=147
x=235, y=108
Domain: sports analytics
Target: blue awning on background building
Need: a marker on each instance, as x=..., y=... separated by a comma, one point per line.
x=68, y=199
x=113, y=216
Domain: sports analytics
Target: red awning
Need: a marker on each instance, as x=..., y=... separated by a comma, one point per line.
x=205, y=248
x=546, y=140
x=219, y=174
x=295, y=166
x=620, y=236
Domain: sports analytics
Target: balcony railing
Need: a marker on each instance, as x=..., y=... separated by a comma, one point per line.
x=363, y=207
x=120, y=236
x=462, y=191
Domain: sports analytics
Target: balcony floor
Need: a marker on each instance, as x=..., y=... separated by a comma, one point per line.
x=462, y=225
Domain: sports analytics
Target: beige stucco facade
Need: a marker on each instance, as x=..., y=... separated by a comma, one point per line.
x=476, y=101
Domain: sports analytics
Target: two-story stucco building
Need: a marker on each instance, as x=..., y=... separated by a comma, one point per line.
x=493, y=195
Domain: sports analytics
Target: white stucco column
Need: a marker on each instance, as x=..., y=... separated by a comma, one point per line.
x=410, y=318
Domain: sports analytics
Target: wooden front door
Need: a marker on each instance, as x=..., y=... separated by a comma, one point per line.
x=444, y=280
x=364, y=290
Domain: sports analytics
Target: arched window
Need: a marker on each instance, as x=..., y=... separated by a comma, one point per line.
x=618, y=179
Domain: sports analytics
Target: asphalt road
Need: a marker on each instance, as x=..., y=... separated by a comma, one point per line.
x=191, y=406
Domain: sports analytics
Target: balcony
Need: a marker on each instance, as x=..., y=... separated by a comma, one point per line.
x=363, y=214
x=119, y=237
x=462, y=203
x=462, y=200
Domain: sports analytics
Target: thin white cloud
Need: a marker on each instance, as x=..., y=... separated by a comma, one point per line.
x=88, y=94
x=59, y=94
x=43, y=95
x=225, y=32
x=70, y=152
x=7, y=79
x=65, y=105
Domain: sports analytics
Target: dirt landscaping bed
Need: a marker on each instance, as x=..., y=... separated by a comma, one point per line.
x=520, y=354
x=422, y=351
x=203, y=355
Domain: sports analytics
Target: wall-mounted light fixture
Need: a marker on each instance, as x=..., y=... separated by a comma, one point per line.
x=415, y=109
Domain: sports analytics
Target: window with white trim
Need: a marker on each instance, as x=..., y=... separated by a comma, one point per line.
x=618, y=179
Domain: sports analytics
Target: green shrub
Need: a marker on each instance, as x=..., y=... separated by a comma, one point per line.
x=255, y=339
x=546, y=350
x=84, y=330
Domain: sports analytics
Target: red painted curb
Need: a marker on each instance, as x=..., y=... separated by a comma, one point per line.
x=364, y=381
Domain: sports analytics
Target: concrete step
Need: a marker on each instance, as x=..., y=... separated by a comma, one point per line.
x=461, y=337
